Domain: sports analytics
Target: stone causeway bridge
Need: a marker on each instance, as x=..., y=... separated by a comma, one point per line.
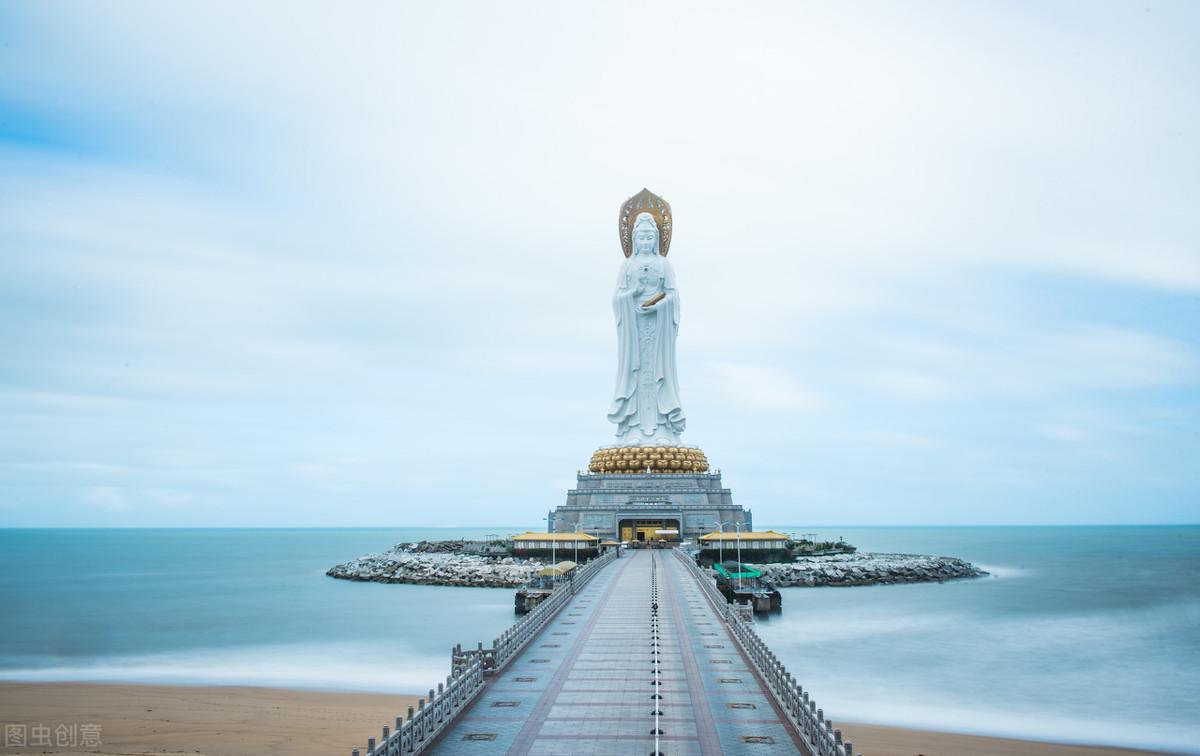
x=637, y=655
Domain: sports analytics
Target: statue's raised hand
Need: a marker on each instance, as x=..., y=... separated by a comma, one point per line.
x=653, y=302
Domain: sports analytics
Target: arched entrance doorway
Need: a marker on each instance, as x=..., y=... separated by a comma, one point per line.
x=647, y=531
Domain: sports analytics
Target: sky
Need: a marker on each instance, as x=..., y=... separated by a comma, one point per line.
x=328, y=264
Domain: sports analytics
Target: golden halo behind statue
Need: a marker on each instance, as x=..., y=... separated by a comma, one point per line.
x=645, y=201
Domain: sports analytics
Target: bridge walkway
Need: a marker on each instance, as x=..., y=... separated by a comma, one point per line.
x=586, y=685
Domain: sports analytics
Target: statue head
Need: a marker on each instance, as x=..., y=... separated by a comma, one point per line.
x=632, y=212
x=645, y=235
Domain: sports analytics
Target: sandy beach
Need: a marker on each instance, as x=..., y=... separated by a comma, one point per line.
x=874, y=740
x=145, y=720
x=208, y=721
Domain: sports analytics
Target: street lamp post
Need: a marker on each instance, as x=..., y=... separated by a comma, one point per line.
x=738, y=529
x=553, y=550
x=721, y=543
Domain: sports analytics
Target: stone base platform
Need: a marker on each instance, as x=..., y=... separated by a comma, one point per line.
x=618, y=506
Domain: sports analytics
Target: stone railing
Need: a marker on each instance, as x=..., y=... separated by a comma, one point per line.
x=469, y=671
x=817, y=731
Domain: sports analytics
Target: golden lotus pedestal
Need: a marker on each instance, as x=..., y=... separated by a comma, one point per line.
x=648, y=459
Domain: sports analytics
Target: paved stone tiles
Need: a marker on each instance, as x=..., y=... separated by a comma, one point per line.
x=584, y=686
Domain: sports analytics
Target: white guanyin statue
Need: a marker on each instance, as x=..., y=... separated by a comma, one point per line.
x=646, y=404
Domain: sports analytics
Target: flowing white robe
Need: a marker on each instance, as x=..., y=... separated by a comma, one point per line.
x=646, y=404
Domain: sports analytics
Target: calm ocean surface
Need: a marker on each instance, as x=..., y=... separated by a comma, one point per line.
x=1087, y=634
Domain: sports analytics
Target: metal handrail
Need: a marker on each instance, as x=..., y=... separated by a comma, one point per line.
x=469, y=671
x=817, y=732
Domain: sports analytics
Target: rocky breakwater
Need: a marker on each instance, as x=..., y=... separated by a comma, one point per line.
x=426, y=564
x=867, y=569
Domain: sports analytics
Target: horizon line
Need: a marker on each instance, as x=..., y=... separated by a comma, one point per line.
x=516, y=527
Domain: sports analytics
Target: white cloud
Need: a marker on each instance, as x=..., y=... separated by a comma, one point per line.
x=912, y=384
x=107, y=498
x=761, y=389
x=357, y=254
x=1022, y=361
x=893, y=439
x=1064, y=433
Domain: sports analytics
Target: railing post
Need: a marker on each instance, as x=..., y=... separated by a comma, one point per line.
x=468, y=670
x=793, y=699
x=422, y=720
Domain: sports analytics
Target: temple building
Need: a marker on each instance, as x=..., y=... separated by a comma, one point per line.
x=764, y=546
x=556, y=544
x=647, y=494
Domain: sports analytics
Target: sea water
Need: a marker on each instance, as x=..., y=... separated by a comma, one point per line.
x=1080, y=634
x=1084, y=634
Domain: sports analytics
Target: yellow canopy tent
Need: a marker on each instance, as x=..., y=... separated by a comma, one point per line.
x=557, y=570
